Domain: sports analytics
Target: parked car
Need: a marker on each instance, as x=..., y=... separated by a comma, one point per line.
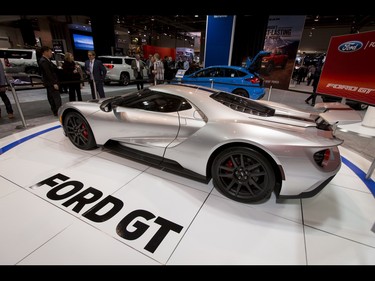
x=248, y=148
x=243, y=81
x=352, y=103
x=278, y=58
x=19, y=61
x=119, y=69
x=26, y=60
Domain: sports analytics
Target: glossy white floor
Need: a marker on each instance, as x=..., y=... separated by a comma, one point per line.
x=63, y=206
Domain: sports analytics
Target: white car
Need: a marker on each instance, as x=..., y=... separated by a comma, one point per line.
x=119, y=69
x=19, y=61
x=26, y=60
x=249, y=148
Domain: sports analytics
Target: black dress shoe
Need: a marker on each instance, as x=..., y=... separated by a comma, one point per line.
x=306, y=102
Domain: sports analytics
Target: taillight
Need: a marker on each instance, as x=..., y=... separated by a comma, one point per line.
x=108, y=65
x=254, y=80
x=322, y=157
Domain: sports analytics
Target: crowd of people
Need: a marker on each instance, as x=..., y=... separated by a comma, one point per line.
x=70, y=76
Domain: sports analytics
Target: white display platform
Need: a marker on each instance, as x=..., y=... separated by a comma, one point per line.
x=366, y=129
x=164, y=219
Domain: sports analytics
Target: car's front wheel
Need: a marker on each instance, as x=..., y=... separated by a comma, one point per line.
x=243, y=174
x=79, y=132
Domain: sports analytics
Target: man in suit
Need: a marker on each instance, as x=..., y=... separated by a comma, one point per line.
x=49, y=77
x=138, y=66
x=97, y=71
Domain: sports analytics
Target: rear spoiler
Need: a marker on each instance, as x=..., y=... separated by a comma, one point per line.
x=338, y=113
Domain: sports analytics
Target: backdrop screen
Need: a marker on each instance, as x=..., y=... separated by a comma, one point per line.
x=83, y=42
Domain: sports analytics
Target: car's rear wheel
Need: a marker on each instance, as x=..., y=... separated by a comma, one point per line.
x=241, y=92
x=79, y=132
x=243, y=174
x=124, y=79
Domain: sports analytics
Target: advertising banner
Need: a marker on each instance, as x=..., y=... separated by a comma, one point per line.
x=282, y=39
x=349, y=68
x=219, y=40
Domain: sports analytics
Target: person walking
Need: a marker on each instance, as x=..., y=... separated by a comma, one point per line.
x=138, y=66
x=315, y=83
x=49, y=77
x=3, y=95
x=71, y=74
x=96, y=71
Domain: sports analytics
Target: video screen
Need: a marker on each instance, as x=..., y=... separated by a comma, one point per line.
x=83, y=42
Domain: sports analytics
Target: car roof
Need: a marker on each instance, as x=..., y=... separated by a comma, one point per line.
x=121, y=57
x=225, y=66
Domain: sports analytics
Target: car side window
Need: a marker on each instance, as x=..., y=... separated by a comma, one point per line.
x=156, y=101
x=241, y=74
x=230, y=73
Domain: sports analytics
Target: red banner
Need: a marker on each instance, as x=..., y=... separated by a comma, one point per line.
x=349, y=68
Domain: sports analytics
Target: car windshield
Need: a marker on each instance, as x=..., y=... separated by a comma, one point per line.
x=242, y=104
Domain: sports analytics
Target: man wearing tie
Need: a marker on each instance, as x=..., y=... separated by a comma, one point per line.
x=97, y=71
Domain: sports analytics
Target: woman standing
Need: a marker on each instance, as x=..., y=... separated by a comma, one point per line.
x=158, y=70
x=71, y=74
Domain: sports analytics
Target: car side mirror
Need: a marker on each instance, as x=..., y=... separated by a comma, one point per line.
x=106, y=106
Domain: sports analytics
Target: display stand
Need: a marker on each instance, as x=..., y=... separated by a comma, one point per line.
x=366, y=129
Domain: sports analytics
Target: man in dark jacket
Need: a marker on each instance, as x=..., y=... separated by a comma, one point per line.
x=49, y=77
x=95, y=69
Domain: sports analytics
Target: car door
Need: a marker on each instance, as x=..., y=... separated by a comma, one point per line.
x=148, y=131
x=205, y=77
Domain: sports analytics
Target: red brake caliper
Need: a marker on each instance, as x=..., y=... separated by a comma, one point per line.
x=84, y=132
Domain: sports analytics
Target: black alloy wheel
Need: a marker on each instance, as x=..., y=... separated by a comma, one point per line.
x=243, y=174
x=79, y=131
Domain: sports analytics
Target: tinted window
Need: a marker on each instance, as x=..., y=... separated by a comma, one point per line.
x=128, y=61
x=231, y=73
x=111, y=60
x=15, y=54
x=241, y=73
x=153, y=101
x=210, y=72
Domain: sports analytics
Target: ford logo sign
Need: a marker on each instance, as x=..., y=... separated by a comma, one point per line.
x=350, y=46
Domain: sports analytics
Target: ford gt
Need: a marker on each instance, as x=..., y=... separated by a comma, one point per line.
x=248, y=148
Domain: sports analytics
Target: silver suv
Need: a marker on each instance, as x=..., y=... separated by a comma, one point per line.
x=19, y=60
x=119, y=69
x=25, y=60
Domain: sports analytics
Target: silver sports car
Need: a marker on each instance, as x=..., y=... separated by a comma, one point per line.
x=248, y=148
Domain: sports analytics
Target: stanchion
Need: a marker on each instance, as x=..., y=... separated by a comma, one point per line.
x=15, y=96
x=94, y=85
x=269, y=93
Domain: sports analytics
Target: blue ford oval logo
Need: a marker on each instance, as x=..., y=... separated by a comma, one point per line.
x=350, y=46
